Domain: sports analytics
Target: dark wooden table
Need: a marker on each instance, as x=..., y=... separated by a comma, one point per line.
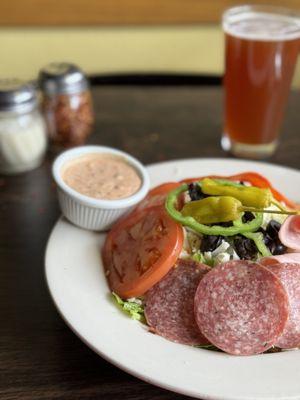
x=40, y=358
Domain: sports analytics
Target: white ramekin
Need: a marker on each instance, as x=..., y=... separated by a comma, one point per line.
x=87, y=212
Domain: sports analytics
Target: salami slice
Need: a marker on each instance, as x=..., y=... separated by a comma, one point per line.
x=289, y=275
x=169, y=308
x=241, y=307
x=283, y=258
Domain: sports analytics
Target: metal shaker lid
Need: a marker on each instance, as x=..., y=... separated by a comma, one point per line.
x=17, y=95
x=58, y=78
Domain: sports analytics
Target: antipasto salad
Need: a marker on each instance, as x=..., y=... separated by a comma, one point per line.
x=212, y=262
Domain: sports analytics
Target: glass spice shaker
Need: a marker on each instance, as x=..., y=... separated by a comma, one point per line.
x=67, y=104
x=23, y=138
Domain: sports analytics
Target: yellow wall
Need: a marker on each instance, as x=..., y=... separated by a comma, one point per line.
x=114, y=49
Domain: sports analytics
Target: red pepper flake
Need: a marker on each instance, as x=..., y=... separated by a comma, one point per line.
x=69, y=118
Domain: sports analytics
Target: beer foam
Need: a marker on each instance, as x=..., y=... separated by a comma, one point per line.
x=255, y=25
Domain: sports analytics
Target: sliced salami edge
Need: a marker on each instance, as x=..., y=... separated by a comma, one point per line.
x=169, y=305
x=289, y=275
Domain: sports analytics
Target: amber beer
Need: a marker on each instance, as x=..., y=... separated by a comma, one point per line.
x=261, y=49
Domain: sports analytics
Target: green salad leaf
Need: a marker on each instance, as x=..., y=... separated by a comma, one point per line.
x=134, y=308
x=198, y=257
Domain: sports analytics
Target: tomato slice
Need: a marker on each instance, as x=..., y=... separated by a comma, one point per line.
x=255, y=179
x=140, y=250
x=157, y=195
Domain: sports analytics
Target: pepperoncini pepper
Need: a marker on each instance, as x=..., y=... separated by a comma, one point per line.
x=249, y=196
x=191, y=222
x=213, y=209
x=198, y=214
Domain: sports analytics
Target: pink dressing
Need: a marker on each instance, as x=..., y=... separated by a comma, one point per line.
x=102, y=176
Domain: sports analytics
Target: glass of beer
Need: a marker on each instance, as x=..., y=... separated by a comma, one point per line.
x=261, y=50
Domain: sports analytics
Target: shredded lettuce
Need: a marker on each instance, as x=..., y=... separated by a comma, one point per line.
x=199, y=257
x=207, y=347
x=192, y=241
x=222, y=248
x=223, y=253
x=132, y=307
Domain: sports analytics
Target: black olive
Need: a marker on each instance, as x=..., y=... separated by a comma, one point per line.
x=273, y=243
x=195, y=192
x=247, y=217
x=278, y=249
x=210, y=242
x=273, y=229
x=272, y=246
x=275, y=246
x=245, y=248
x=267, y=238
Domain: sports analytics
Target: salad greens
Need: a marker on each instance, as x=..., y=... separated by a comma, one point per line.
x=244, y=236
x=132, y=307
x=208, y=347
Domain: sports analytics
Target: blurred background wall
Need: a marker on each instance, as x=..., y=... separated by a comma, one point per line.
x=115, y=36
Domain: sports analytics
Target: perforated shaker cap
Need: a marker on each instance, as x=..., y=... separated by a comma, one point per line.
x=17, y=95
x=56, y=78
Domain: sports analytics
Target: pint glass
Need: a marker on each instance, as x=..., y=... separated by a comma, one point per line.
x=261, y=50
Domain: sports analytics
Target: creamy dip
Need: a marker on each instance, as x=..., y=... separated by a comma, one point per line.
x=102, y=176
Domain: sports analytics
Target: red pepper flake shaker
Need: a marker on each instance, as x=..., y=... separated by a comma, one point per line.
x=67, y=104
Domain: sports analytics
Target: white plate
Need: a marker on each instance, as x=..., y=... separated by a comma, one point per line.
x=78, y=287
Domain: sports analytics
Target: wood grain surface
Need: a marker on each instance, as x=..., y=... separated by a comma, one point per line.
x=118, y=12
x=40, y=358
